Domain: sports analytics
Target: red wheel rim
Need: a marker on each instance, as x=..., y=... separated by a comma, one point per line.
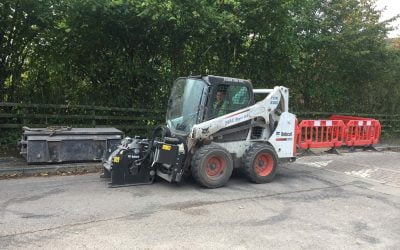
x=215, y=166
x=264, y=164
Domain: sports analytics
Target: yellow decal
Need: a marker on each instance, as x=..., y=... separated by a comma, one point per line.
x=116, y=159
x=166, y=147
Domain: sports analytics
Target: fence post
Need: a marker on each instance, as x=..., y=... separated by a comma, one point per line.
x=93, y=113
x=46, y=121
x=24, y=119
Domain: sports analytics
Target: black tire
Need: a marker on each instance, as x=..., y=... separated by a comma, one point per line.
x=260, y=163
x=212, y=166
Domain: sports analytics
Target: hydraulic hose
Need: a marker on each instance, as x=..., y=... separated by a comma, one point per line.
x=165, y=132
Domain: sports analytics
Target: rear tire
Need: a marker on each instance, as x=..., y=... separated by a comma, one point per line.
x=212, y=166
x=260, y=163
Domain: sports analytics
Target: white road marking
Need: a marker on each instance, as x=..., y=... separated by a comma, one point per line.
x=364, y=173
x=318, y=164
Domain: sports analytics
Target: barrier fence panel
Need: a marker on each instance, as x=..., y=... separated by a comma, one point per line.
x=390, y=123
x=320, y=134
x=362, y=132
x=343, y=131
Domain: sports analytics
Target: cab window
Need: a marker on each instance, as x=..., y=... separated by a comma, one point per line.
x=228, y=98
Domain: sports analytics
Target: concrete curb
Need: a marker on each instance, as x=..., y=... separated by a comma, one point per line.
x=51, y=169
x=388, y=148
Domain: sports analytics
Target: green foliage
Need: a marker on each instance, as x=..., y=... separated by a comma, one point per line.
x=9, y=137
x=333, y=54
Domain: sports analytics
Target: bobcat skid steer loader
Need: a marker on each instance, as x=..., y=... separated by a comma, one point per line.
x=213, y=124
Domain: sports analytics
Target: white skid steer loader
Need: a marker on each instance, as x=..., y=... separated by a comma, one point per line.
x=213, y=125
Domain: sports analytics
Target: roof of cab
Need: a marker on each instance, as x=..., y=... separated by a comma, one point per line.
x=211, y=79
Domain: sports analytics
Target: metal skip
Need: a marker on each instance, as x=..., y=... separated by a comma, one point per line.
x=65, y=144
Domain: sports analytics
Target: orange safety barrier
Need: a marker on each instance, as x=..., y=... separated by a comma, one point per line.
x=321, y=134
x=362, y=132
x=338, y=131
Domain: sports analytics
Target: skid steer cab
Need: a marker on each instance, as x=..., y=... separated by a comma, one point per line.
x=213, y=124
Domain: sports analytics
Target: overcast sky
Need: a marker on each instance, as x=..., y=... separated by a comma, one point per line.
x=392, y=9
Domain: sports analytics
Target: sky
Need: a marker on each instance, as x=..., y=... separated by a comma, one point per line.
x=392, y=9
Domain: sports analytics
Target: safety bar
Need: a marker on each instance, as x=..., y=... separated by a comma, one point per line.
x=346, y=131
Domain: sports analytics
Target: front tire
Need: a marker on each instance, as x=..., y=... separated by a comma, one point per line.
x=260, y=163
x=212, y=166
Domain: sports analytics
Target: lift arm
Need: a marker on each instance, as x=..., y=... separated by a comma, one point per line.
x=277, y=100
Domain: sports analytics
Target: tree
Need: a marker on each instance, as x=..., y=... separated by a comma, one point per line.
x=21, y=24
x=332, y=54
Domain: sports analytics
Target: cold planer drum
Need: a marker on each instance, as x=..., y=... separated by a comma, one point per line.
x=137, y=161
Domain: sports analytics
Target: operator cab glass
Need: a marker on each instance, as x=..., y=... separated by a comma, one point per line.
x=227, y=99
x=185, y=104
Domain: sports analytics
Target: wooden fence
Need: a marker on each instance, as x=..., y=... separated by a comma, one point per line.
x=131, y=120
x=17, y=115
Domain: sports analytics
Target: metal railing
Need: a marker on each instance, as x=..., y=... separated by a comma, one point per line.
x=17, y=115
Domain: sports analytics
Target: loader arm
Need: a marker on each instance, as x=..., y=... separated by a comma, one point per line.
x=277, y=100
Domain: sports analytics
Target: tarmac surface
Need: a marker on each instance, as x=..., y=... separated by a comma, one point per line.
x=348, y=201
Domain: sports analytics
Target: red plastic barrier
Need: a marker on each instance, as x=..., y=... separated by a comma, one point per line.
x=362, y=132
x=321, y=134
x=339, y=131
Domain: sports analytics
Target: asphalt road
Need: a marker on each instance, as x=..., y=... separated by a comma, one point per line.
x=350, y=201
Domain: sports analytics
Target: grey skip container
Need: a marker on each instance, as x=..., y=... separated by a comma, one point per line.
x=65, y=144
